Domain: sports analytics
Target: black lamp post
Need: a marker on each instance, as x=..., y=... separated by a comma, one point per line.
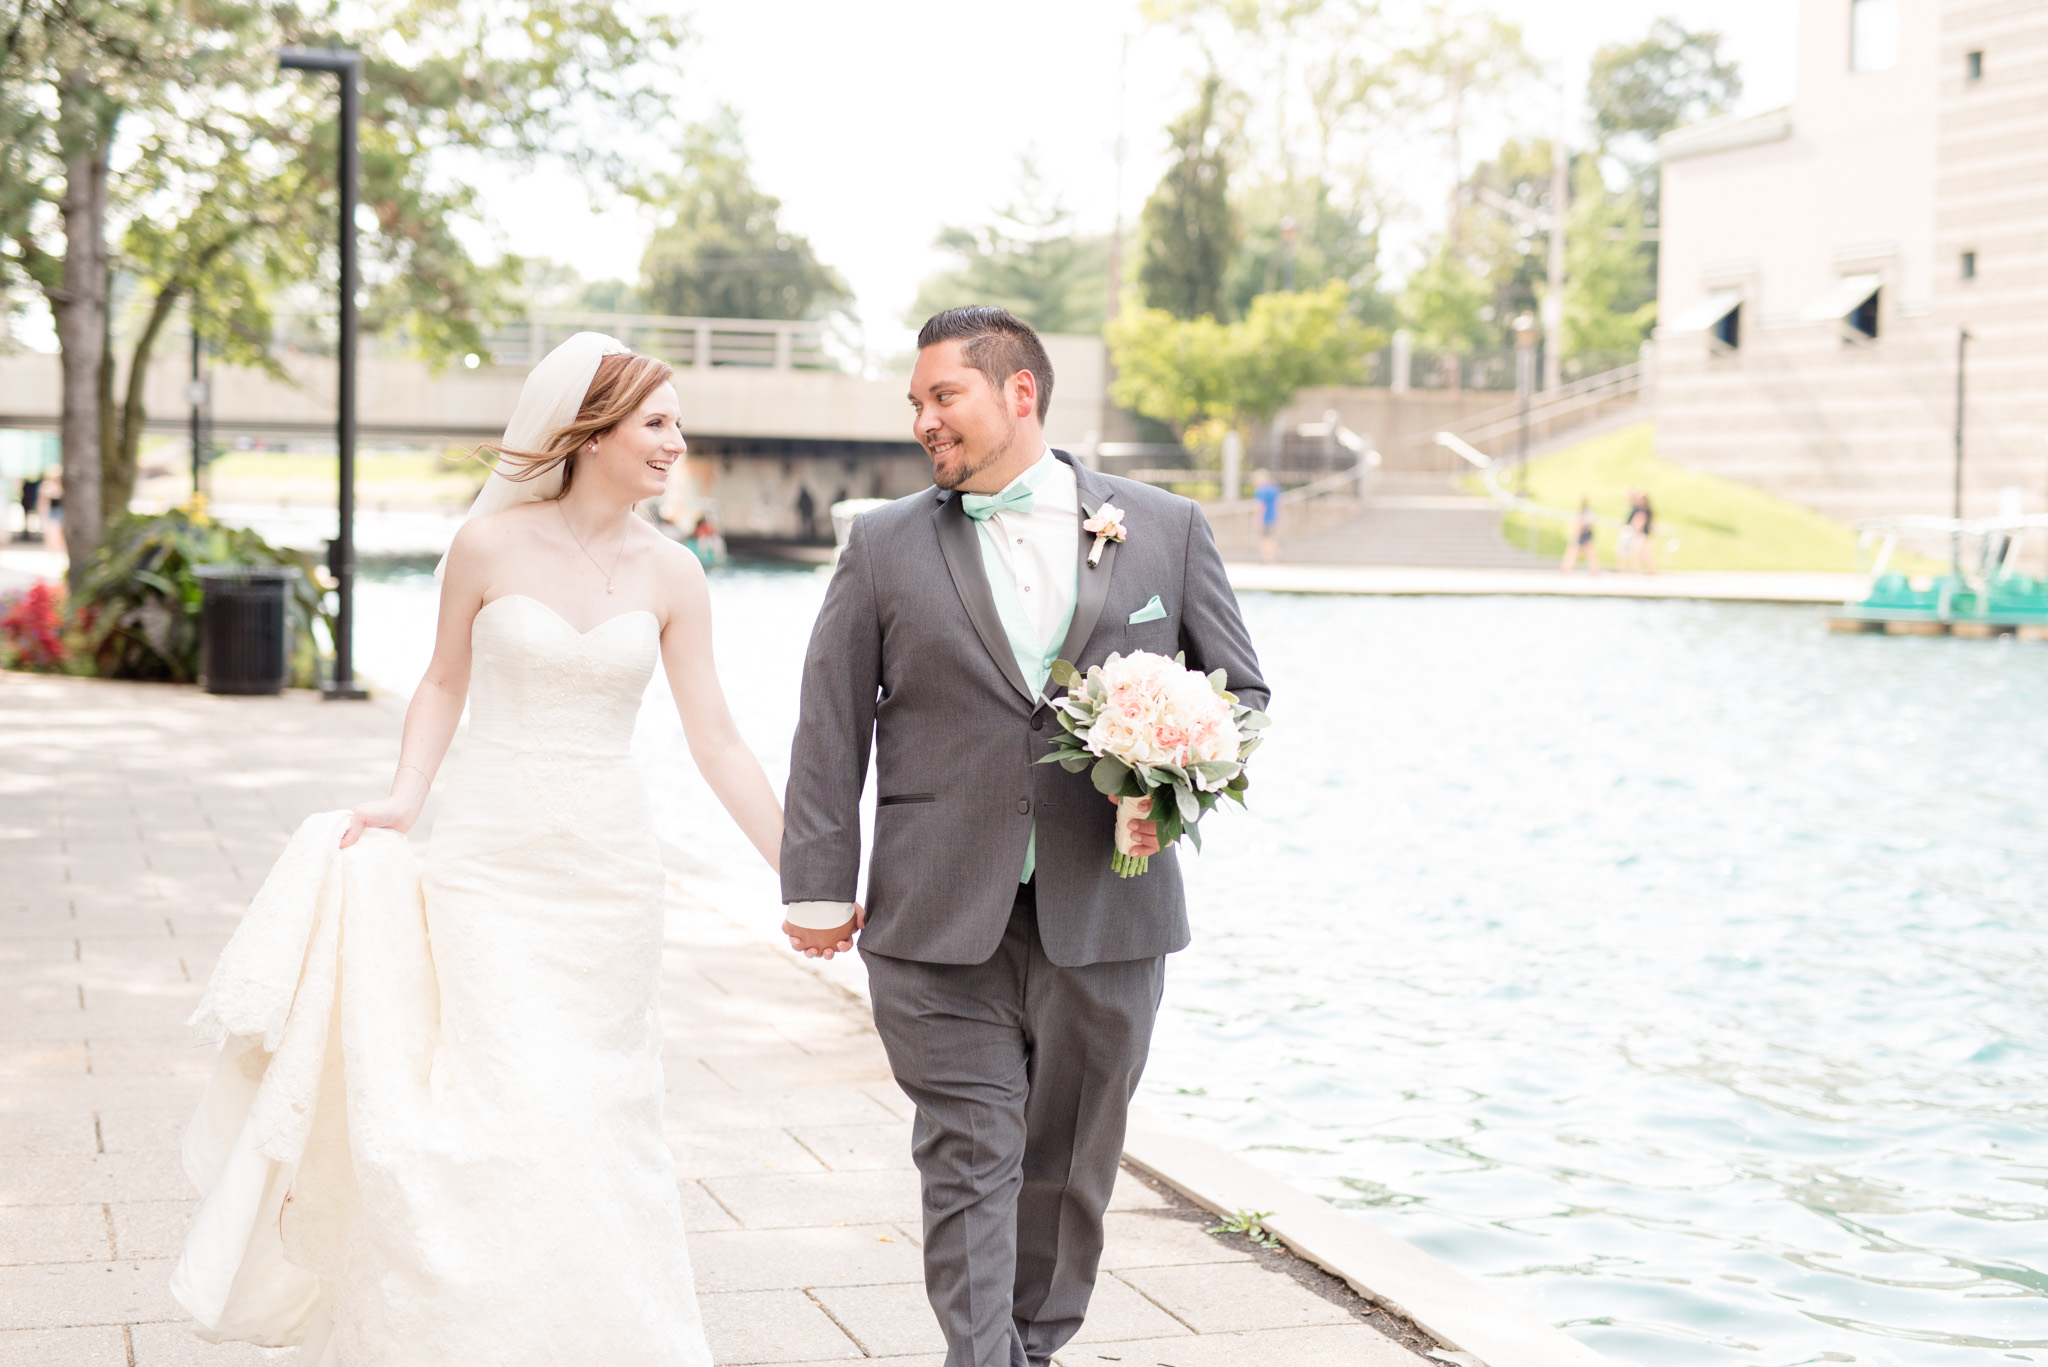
x=341, y=553
x=1525, y=381
x=196, y=393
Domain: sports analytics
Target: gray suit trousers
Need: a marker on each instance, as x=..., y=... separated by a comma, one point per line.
x=1022, y=1073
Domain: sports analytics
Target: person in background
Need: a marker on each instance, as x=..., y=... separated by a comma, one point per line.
x=705, y=541
x=1581, y=541
x=1266, y=490
x=1642, y=552
x=807, y=515
x=51, y=519
x=31, y=508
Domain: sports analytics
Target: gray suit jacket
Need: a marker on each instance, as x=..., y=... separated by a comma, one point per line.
x=908, y=652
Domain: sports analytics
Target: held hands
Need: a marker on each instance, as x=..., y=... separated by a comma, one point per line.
x=1144, y=837
x=823, y=944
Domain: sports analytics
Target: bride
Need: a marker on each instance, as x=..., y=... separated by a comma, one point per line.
x=467, y=1164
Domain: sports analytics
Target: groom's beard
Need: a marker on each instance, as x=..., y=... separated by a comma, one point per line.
x=955, y=476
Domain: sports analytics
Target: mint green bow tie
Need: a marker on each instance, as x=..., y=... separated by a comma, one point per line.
x=1018, y=498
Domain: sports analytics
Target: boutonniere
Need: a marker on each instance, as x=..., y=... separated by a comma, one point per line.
x=1108, y=526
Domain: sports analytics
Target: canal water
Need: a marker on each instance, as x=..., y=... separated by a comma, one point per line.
x=1678, y=970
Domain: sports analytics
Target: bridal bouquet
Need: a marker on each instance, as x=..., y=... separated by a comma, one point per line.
x=1164, y=741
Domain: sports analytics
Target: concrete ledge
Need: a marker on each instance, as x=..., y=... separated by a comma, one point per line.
x=1380, y=1267
x=1706, y=585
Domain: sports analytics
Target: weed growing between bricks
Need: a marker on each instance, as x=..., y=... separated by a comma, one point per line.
x=1331, y=1288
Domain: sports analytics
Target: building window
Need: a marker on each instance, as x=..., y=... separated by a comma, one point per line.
x=1862, y=319
x=1969, y=265
x=1873, y=35
x=1973, y=66
x=1728, y=329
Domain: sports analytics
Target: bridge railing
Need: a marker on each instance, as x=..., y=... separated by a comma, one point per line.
x=688, y=343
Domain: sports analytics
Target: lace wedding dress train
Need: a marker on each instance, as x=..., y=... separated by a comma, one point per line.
x=434, y=1138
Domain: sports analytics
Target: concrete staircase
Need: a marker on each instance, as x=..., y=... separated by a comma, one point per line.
x=1422, y=515
x=1421, y=519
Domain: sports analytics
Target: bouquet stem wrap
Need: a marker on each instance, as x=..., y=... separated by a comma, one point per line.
x=1129, y=809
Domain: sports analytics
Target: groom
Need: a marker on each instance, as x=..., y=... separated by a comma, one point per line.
x=1015, y=977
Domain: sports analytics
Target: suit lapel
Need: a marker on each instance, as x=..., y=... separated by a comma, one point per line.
x=961, y=544
x=1094, y=585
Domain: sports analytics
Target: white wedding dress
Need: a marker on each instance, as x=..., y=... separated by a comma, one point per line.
x=435, y=1136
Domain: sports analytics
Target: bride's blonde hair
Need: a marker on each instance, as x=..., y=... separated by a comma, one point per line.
x=622, y=383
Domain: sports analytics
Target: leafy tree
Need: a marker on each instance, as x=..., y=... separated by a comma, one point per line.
x=1029, y=260
x=1672, y=76
x=1197, y=373
x=1187, y=225
x=722, y=251
x=69, y=70
x=1465, y=58
x=1507, y=242
x=1331, y=243
x=1318, y=79
x=1639, y=92
x=158, y=141
x=1610, y=296
x=1442, y=303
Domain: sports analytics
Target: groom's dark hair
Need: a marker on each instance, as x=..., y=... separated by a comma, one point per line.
x=998, y=344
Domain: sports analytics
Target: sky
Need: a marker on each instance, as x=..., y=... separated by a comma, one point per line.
x=876, y=124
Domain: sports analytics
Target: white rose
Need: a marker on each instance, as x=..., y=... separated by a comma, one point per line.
x=1112, y=735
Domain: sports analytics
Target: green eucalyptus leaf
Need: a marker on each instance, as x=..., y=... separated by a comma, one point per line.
x=1108, y=775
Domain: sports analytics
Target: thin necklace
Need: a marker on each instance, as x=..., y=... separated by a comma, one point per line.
x=586, y=550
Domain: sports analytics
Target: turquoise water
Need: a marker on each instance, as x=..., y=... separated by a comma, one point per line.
x=1679, y=970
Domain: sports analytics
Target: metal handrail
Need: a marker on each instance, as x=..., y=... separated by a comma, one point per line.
x=1560, y=396
x=1584, y=393
x=1314, y=489
x=700, y=343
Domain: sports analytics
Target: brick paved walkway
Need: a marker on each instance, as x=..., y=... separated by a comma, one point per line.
x=135, y=823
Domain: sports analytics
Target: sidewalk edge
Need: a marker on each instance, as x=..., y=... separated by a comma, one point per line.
x=1380, y=1267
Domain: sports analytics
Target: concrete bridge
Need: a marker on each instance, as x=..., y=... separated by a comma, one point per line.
x=778, y=430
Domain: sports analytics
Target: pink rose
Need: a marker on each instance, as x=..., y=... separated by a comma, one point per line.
x=1172, y=742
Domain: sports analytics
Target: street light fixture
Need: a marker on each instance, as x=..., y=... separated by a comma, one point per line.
x=198, y=394
x=341, y=553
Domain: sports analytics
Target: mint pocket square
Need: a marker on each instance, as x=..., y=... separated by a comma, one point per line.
x=1151, y=612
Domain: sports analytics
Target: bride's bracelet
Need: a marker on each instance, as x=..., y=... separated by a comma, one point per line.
x=421, y=772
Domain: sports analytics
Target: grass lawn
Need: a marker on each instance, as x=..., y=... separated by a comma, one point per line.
x=1718, y=523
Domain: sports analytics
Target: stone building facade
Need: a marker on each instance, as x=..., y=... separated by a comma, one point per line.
x=1820, y=262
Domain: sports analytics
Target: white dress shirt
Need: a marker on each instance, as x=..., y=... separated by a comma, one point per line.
x=1037, y=551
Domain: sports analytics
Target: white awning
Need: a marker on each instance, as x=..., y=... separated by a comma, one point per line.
x=1844, y=299
x=1700, y=317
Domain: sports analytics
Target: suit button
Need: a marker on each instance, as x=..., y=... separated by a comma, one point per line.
x=1038, y=721
x=1023, y=806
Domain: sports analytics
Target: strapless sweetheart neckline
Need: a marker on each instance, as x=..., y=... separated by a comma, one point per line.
x=617, y=617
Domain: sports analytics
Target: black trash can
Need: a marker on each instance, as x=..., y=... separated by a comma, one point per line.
x=243, y=632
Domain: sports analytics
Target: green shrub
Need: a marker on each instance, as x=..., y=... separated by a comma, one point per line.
x=137, y=611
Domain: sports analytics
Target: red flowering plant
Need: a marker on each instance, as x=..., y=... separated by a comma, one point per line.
x=32, y=627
